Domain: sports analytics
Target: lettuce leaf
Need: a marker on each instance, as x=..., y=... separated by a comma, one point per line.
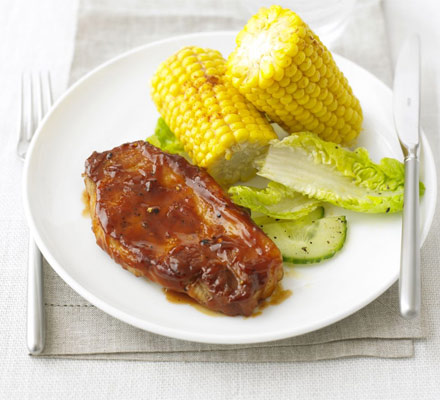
x=328, y=172
x=165, y=140
x=276, y=201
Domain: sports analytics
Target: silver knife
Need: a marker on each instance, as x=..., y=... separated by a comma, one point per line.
x=406, y=102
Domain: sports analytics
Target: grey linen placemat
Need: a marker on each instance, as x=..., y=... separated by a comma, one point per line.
x=77, y=329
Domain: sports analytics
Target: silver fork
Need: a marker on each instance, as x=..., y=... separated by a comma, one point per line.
x=36, y=99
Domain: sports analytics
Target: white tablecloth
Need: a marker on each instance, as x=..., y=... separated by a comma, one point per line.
x=39, y=34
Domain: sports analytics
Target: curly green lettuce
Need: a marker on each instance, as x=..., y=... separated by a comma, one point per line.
x=328, y=172
x=276, y=201
x=165, y=140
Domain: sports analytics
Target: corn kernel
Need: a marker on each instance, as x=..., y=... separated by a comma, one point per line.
x=241, y=135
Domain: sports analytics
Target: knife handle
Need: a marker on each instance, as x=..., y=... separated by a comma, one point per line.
x=409, y=283
x=35, y=319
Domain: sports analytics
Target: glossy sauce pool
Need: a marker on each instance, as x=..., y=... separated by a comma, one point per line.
x=182, y=298
x=278, y=296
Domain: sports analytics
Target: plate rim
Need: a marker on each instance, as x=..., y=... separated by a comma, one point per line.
x=172, y=332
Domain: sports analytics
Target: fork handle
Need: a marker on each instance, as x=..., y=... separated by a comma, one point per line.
x=36, y=329
x=409, y=283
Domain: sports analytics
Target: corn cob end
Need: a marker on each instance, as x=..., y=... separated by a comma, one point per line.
x=218, y=127
x=282, y=67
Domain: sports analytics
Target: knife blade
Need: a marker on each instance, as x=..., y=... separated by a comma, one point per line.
x=406, y=107
x=407, y=93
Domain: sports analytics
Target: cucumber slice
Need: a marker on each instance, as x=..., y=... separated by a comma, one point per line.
x=306, y=242
x=317, y=213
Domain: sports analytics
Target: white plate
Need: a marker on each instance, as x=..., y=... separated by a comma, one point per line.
x=111, y=106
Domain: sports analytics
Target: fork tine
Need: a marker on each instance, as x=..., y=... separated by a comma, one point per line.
x=49, y=91
x=46, y=91
x=31, y=108
x=22, y=131
x=39, y=100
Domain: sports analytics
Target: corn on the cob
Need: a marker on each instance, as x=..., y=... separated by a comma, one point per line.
x=219, y=129
x=282, y=67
